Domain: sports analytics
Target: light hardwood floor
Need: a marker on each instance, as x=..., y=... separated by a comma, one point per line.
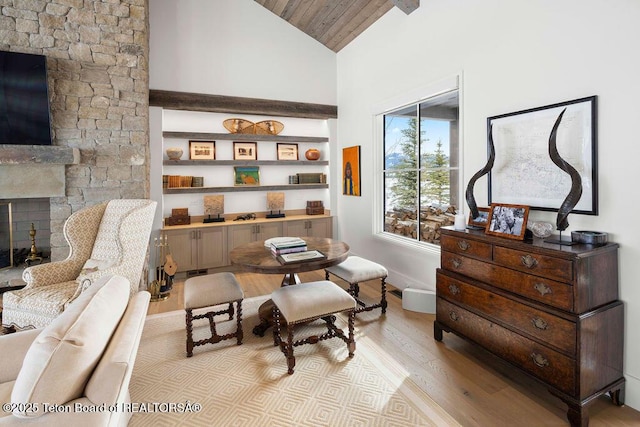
x=473, y=386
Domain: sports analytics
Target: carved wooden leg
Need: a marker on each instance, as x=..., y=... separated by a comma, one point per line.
x=239, y=332
x=351, y=345
x=276, y=326
x=577, y=415
x=326, y=275
x=231, y=311
x=383, y=300
x=291, y=360
x=189, y=322
x=437, y=332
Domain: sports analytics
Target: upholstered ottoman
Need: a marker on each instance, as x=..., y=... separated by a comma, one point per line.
x=355, y=270
x=210, y=291
x=306, y=302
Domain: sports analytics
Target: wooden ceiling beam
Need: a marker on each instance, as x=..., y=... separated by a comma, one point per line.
x=407, y=6
x=239, y=105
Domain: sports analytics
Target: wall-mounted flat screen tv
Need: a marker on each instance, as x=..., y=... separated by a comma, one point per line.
x=24, y=99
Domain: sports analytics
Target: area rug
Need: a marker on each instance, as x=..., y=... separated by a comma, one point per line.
x=229, y=385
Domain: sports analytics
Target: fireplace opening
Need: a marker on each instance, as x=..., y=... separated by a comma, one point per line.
x=24, y=223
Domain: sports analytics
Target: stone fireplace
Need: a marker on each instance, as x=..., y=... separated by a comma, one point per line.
x=30, y=176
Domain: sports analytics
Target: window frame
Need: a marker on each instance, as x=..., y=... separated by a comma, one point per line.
x=413, y=97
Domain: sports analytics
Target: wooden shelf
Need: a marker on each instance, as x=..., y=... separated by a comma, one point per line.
x=242, y=137
x=245, y=163
x=191, y=190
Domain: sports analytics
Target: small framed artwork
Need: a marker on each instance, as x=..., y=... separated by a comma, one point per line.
x=202, y=150
x=245, y=151
x=507, y=220
x=351, y=171
x=246, y=175
x=287, y=151
x=481, y=221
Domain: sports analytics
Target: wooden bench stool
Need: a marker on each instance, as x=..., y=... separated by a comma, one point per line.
x=355, y=270
x=307, y=302
x=209, y=291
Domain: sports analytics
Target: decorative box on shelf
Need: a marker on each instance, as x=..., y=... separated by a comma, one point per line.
x=179, y=216
x=315, y=207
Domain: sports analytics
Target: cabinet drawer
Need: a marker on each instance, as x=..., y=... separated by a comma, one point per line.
x=540, y=265
x=550, y=366
x=555, y=294
x=467, y=247
x=549, y=329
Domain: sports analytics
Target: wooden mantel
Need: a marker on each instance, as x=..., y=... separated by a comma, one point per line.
x=232, y=104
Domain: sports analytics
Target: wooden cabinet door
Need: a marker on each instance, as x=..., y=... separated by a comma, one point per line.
x=240, y=235
x=212, y=247
x=268, y=230
x=321, y=227
x=182, y=246
x=296, y=228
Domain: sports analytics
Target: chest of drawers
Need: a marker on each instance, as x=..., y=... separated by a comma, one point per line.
x=550, y=310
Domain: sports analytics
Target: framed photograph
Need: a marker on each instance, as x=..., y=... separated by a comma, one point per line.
x=481, y=221
x=523, y=171
x=506, y=220
x=202, y=150
x=287, y=151
x=351, y=171
x=245, y=151
x=246, y=175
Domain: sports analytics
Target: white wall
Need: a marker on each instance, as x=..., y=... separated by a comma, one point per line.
x=236, y=48
x=513, y=55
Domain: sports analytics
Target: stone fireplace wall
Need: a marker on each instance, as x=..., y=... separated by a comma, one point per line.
x=97, y=61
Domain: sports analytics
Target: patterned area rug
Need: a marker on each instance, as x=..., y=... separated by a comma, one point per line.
x=229, y=385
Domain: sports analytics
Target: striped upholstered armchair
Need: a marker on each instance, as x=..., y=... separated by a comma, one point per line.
x=105, y=239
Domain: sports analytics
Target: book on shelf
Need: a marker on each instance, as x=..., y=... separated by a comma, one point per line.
x=300, y=257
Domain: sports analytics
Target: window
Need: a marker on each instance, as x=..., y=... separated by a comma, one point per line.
x=421, y=176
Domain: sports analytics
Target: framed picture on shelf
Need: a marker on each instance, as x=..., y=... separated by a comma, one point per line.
x=287, y=151
x=245, y=151
x=506, y=220
x=481, y=221
x=202, y=150
x=246, y=175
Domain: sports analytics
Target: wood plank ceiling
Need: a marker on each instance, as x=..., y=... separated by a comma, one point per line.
x=334, y=23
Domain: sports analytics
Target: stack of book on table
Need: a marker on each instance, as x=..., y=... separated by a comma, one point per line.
x=287, y=245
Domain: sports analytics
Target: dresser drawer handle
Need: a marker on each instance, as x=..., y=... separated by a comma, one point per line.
x=454, y=289
x=457, y=262
x=539, y=323
x=463, y=245
x=453, y=316
x=542, y=289
x=539, y=360
x=529, y=261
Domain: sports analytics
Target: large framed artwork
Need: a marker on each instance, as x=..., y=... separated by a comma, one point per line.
x=524, y=173
x=351, y=171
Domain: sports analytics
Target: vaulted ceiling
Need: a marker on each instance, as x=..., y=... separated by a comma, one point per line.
x=334, y=23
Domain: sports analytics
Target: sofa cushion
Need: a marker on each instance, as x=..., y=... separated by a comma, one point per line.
x=60, y=361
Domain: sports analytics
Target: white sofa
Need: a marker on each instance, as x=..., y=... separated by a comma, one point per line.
x=82, y=361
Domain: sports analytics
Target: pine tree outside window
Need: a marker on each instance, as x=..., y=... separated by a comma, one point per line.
x=421, y=166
